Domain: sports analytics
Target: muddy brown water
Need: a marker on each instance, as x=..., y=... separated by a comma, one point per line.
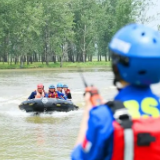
x=48, y=136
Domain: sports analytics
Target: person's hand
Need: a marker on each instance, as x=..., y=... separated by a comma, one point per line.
x=92, y=96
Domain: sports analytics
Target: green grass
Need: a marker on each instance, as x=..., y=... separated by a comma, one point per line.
x=55, y=65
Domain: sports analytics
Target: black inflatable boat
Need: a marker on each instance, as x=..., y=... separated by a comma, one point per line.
x=47, y=105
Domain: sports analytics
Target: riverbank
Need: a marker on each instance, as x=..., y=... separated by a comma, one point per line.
x=37, y=65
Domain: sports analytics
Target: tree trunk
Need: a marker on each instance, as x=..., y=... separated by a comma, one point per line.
x=5, y=53
x=39, y=58
x=46, y=56
x=61, y=57
x=15, y=61
x=4, y=57
x=24, y=59
x=46, y=45
x=70, y=57
x=73, y=58
x=106, y=57
x=90, y=58
x=77, y=58
x=54, y=58
x=28, y=58
x=43, y=59
x=84, y=45
x=31, y=59
x=21, y=62
x=11, y=61
x=98, y=57
x=36, y=59
x=85, y=58
x=61, y=62
x=109, y=56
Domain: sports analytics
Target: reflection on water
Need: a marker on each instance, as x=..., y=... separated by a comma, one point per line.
x=46, y=136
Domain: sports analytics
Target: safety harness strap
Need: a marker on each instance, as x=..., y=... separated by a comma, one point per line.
x=121, y=115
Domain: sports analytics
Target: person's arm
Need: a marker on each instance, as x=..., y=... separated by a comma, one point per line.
x=46, y=95
x=69, y=95
x=84, y=122
x=32, y=95
x=64, y=96
x=59, y=95
x=97, y=142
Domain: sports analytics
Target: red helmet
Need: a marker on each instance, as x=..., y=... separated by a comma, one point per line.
x=40, y=85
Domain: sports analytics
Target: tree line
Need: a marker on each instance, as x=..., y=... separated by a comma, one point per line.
x=62, y=30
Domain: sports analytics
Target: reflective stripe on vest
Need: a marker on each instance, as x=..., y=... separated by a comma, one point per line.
x=128, y=144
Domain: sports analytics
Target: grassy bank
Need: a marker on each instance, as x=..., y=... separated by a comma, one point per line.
x=55, y=65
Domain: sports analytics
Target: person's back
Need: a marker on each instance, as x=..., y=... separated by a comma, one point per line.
x=135, y=59
x=139, y=101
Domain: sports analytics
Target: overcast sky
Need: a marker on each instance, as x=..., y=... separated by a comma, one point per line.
x=153, y=11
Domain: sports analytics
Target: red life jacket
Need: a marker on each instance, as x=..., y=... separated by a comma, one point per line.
x=137, y=139
x=52, y=95
x=67, y=91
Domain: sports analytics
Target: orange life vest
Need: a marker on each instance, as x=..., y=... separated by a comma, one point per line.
x=52, y=94
x=38, y=95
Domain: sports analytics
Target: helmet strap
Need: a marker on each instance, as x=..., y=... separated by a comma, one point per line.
x=117, y=78
x=117, y=84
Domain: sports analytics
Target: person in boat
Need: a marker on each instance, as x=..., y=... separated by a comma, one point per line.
x=59, y=91
x=52, y=93
x=105, y=134
x=67, y=91
x=60, y=87
x=39, y=93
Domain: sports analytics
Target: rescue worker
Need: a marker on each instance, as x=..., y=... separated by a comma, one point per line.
x=67, y=91
x=39, y=93
x=52, y=92
x=59, y=91
x=135, y=51
x=60, y=87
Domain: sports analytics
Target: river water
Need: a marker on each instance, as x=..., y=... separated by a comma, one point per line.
x=24, y=136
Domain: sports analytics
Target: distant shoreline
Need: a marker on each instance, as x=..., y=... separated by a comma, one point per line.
x=55, y=66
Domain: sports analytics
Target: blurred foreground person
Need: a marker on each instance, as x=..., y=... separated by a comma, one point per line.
x=128, y=127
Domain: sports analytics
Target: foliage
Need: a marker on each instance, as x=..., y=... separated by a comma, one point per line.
x=63, y=30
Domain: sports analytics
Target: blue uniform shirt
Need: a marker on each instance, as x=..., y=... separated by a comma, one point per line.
x=99, y=136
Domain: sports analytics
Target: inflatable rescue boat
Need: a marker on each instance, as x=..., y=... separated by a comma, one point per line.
x=47, y=105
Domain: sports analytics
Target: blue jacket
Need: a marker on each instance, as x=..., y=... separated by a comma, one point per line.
x=61, y=95
x=99, y=136
x=33, y=94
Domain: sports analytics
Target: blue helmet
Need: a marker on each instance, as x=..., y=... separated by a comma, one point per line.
x=65, y=86
x=59, y=85
x=135, y=51
x=51, y=87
